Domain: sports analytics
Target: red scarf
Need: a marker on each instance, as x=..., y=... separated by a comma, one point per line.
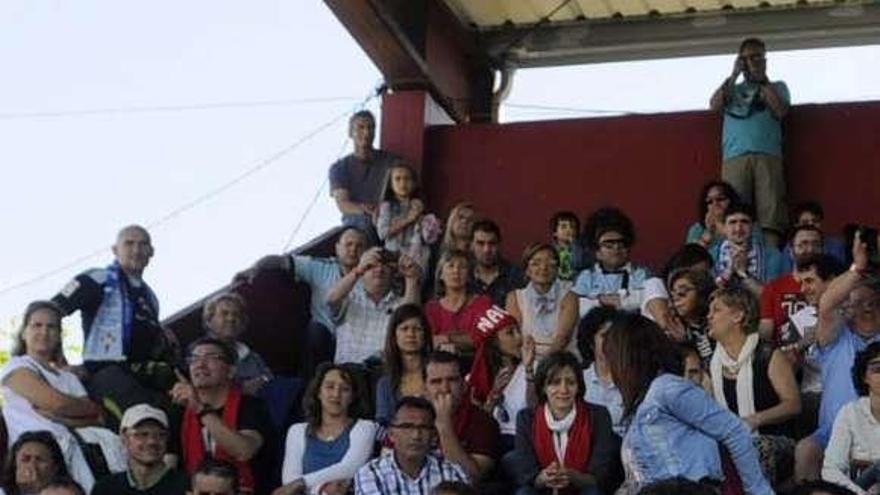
x=578, y=448
x=194, y=447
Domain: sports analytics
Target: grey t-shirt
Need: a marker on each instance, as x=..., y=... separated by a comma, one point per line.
x=363, y=180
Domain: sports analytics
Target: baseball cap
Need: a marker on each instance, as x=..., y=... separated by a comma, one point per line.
x=141, y=412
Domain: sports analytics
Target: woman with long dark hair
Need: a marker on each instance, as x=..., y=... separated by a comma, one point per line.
x=407, y=346
x=674, y=427
x=502, y=375
x=41, y=394
x=34, y=461
x=327, y=449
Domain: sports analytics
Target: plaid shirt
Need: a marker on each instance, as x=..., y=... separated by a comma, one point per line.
x=382, y=476
x=362, y=325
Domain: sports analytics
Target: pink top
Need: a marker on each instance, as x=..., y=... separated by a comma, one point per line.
x=443, y=321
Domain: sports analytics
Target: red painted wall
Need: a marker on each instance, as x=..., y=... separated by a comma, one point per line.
x=651, y=166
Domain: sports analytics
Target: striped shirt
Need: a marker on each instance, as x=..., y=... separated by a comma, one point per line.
x=382, y=476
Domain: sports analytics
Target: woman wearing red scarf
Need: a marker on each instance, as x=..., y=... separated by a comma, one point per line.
x=564, y=445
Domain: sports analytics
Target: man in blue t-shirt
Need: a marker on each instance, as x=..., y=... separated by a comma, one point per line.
x=857, y=293
x=751, y=141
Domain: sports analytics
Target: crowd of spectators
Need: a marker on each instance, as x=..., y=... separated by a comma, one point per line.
x=750, y=364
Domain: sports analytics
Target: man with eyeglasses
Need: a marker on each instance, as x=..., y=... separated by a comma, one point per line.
x=213, y=418
x=751, y=141
x=144, y=434
x=849, y=320
x=409, y=467
x=614, y=280
x=781, y=298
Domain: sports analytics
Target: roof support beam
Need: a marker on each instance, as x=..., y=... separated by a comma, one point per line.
x=420, y=44
x=583, y=42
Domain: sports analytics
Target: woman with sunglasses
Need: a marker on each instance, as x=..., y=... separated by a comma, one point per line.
x=690, y=290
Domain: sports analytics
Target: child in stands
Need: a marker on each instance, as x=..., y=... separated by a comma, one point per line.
x=400, y=214
x=564, y=229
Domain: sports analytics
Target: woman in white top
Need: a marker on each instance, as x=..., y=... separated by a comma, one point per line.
x=852, y=458
x=501, y=375
x=545, y=309
x=323, y=454
x=39, y=394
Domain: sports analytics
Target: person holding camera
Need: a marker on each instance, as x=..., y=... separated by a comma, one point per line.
x=362, y=302
x=751, y=141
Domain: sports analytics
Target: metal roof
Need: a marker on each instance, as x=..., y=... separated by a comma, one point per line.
x=520, y=33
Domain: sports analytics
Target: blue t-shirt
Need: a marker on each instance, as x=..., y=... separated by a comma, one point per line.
x=320, y=274
x=319, y=454
x=837, y=359
x=749, y=125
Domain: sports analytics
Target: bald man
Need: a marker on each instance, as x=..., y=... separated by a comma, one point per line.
x=126, y=353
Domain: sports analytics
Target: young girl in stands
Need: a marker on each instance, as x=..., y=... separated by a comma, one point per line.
x=400, y=214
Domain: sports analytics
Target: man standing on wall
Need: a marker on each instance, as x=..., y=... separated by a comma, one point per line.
x=751, y=141
x=356, y=180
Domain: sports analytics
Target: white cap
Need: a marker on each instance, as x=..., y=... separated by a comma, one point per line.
x=141, y=412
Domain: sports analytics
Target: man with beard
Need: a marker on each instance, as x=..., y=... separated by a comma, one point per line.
x=493, y=276
x=781, y=298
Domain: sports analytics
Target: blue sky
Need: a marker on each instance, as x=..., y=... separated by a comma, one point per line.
x=254, y=78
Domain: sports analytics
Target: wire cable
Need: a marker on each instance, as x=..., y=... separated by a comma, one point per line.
x=551, y=108
x=260, y=165
x=49, y=114
x=292, y=237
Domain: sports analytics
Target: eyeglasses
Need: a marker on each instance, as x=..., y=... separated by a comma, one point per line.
x=716, y=199
x=873, y=368
x=756, y=57
x=865, y=305
x=614, y=244
x=198, y=358
x=413, y=427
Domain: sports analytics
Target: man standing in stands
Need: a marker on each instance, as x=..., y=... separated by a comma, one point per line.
x=320, y=274
x=362, y=302
x=751, y=141
x=839, y=340
x=126, y=352
x=493, y=276
x=468, y=436
x=356, y=180
x=216, y=420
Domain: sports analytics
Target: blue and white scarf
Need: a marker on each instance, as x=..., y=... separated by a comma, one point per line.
x=109, y=338
x=755, y=263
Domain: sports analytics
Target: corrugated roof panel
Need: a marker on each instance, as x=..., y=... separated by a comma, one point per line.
x=629, y=7
x=482, y=13
x=745, y=4
x=706, y=5
x=666, y=6
x=595, y=9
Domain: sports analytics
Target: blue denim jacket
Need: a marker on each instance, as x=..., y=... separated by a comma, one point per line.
x=676, y=431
